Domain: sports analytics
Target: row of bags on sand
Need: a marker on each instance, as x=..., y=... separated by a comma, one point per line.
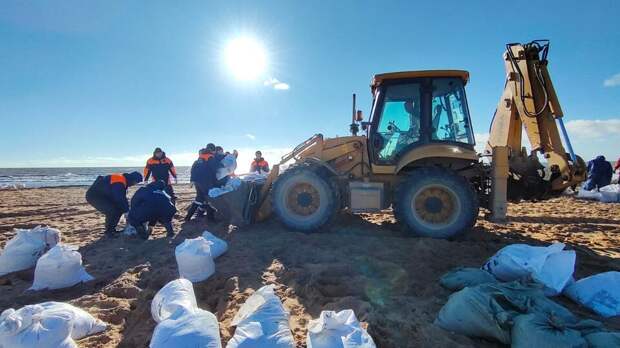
x=46, y=325
x=56, y=265
x=508, y=300
x=606, y=194
x=262, y=322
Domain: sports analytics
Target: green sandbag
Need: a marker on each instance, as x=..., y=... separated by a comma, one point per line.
x=463, y=277
x=488, y=310
x=537, y=330
x=603, y=339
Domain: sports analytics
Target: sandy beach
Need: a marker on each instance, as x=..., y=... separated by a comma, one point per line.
x=366, y=263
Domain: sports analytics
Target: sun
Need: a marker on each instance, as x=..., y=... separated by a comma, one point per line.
x=246, y=58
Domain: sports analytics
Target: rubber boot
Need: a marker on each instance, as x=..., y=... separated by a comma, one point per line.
x=190, y=211
x=110, y=228
x=169, y=229
x=142, y=231
x=210, y=213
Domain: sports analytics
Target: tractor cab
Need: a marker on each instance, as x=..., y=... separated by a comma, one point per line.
x=416, y=108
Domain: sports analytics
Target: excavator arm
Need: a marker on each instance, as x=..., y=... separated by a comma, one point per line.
x=529, y=102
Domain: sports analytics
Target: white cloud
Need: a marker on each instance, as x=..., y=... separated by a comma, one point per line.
x=276, y=84
x=612, y=81
x=250, y=136
x=594, y=129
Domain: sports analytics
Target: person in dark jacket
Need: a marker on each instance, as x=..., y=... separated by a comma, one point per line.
x=160, y=167
x=259, y=164
x=599, y=173
x=203, y=177
x=152, y=204
x=108, y=194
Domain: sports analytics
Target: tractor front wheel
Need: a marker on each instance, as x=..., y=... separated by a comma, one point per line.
x=304, y=199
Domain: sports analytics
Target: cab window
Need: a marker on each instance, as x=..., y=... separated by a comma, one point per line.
x=450, y=117
x=399, y=125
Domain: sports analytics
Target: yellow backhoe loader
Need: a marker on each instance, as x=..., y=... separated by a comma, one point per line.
x=417, y=154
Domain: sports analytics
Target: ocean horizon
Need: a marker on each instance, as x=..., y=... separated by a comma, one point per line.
x=18, y=178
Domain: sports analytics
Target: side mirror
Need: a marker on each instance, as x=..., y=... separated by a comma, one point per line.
x=359, y=116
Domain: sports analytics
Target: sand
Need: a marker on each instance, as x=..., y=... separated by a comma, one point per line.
x=366, y=263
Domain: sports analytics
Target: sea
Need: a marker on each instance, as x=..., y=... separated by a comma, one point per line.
x=19, y=178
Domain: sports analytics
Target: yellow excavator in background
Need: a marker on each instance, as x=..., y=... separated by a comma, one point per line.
x=418, y=155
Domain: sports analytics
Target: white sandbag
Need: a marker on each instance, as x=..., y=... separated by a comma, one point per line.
x=176, y=296
x=195, y=329
x=262, y=322
x=60, y=267
x=338, y=330
x=231, y=185
x=557, y=272
x=40, y=330
x=194, y=259
x=218, y=245
x=600, y=293
x=25, y=248
x=82, y=323
x=591, y=195
x=610, y=193
x=522, y=261
x=229, y=164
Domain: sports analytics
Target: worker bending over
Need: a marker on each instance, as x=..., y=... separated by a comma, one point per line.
x=108, y=194
x=259, y=165
x=599, y=173
x=151, y=204
x=160, y=167
x=203, y=177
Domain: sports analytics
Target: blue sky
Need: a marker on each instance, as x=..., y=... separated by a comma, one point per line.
x=104, y=82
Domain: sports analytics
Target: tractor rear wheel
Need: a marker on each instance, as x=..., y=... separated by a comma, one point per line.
x=436, y=202
x=304, y=198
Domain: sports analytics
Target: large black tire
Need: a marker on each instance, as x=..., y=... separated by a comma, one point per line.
x=436, y=202
x=304, y=198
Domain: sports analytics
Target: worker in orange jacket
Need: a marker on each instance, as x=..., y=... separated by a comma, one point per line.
x=259, y=164
x=160, y=167
x=108, y=194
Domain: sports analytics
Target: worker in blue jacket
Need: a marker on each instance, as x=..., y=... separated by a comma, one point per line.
x=108, y=194
x=600, y=172
x=152, y=204
x=203, y=177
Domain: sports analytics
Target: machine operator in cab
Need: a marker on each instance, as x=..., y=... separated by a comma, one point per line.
x=108, y=194
x=160, y=167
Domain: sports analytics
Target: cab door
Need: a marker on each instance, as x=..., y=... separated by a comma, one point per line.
x=397, y=122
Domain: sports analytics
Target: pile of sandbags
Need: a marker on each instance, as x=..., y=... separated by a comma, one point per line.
x=606, y=194
x=262, y=322
x=463, y=277
x=490, y=310
x=180, y=322
x=232, y=184
x=338, y=330
x=551, y=266
x=46, y=325
x=25, y=248
x=60, y=267
x=194, y=259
